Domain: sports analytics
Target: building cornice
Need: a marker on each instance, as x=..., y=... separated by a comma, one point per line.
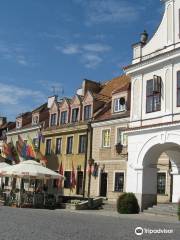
x=158, y=59
x=24, y=130
x=110, y=122
x=152, y=128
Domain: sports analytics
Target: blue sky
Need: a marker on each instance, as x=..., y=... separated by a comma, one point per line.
x=46, y=43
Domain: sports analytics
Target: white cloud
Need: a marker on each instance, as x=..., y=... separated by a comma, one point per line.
x=91, y=60
x=109, y=11
x=14, y=95
x=69, y=49
x=91, y=54
x=14, y=53
x=15, y=100
x=96, y=47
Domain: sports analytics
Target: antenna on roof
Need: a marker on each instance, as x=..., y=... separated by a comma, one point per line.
x=58, y=90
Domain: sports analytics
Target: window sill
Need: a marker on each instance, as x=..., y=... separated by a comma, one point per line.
x=117, y=192
x=163, y=194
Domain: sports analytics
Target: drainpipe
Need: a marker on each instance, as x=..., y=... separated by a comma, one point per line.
x=90, y=160
x=86, y=159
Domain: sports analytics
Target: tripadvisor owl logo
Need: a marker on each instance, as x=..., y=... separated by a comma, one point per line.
x=139, y=231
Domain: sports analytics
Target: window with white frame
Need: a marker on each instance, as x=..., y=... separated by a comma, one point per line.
x=35, y=120
x=58, y=145
x=122, y=138
x=119, y=182
x=75, y=114
x=87, y=112
x=18, y=124
x=53, y=119
x=63, y=117
x=119, y=104
x=48, y=146
x=106, y=138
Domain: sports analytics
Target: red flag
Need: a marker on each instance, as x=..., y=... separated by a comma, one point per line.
x=61, y=171
x=73, y=177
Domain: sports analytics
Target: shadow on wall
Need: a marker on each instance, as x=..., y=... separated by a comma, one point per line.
x=53, y=162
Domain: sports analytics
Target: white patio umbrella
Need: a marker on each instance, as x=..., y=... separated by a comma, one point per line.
x=3, y=165
x=28, y=169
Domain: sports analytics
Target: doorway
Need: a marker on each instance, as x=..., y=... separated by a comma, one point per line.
x=103, y=185
x=79, y=189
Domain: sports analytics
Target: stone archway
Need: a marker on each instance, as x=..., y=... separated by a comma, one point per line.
x=142, y=166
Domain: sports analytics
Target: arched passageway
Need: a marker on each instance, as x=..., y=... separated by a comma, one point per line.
x=142, y=172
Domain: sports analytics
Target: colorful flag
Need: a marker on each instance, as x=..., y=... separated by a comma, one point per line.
x=30, y=151
x=14, y=153
x=7, y=151
x=73, y=177
x=21, y=147
x=60, y=180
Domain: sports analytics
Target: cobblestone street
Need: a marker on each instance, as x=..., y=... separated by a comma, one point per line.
x=36, y=224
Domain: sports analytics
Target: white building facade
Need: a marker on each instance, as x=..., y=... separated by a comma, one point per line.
x=155, y=108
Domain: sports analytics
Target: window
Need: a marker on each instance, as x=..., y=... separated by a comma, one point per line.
x=6, y=181
x=119, y=104
x=36, y=143
x=63, y=117
x=82, y=144
x=161, y=183
x=67, y=180
x=106, y=138
x=58, y=145
x=178, y=89
x=48, y=146
x=18, y=124
x=121, y=137
x=35, y=120
x=87, y=112
x=75, y=112
x=153, y=95
x=53, y=119
x=119, y=182
x=69, y=145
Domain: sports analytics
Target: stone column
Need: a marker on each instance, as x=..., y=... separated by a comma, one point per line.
x=176, y=188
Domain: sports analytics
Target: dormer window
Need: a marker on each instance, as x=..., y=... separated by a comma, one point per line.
x=119, y=104
x=87, y=112
x=53, y=119
x=35, y=120
x=63, y=117
x=75, y=112
x=18, y=124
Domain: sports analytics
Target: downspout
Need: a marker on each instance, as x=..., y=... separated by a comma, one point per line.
x=90, y=160
x=85, y=159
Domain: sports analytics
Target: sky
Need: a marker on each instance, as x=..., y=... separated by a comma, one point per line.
x=48, y=45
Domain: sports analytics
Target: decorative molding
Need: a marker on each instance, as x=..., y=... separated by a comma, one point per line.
x=160, y=58
x=111, y=122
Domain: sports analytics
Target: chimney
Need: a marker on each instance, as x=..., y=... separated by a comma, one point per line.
x=51, y=100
